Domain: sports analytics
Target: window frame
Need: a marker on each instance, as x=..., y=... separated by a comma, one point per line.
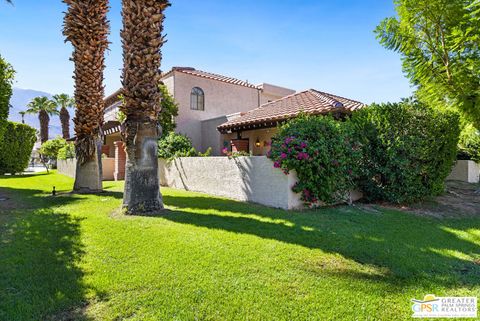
x=197, y=99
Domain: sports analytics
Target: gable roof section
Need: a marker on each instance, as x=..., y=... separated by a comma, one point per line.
x=312, y=102
x=208, y=75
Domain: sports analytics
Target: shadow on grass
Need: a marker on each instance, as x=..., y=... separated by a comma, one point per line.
x=40, y=250
x=25, y=175
x=412, y=249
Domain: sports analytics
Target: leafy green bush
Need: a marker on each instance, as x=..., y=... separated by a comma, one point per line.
x=6, y=81
x=16, y=147
x=67, y=152
x=51, y=147
x=469, y=145
x=177, y=145
x=409, y=150
x=322, y=152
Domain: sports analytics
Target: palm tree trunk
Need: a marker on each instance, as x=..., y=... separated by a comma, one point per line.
x=142, y=186
x=44, y=120
x=142, y=41
x=86, y=27
x=65, y=121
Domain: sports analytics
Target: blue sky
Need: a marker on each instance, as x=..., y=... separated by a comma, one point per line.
x=326, y=45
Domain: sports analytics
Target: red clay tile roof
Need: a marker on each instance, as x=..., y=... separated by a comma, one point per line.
x=208, y=75
x=311, y=102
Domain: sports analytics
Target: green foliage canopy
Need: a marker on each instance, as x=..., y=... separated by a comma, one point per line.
x=16, y=147
x=169, y=111
x=408, y=150
x=439, y=41
x=66, y=152
x=51, y=147
x=177, y=145
x=6, y=81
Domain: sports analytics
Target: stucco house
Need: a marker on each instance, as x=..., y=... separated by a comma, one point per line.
x=252, y=131
x=204, y=100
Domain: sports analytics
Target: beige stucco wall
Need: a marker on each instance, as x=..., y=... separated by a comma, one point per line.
x=220, y=99
x=251, y=179
x=271, y=93
x=68, y=167
x=110, y=140
x=465, y=171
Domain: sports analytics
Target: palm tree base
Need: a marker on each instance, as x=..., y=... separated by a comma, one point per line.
x=88, y=178
x=142, y=185
x=142, y=192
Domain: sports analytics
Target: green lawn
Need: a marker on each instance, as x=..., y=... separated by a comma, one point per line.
x=76, y=258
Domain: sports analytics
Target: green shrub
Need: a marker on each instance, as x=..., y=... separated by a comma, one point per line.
x=469, y=145
x=409, y=150
x=67, y=152
x=51, y=147
x=16, y=147
x=177, y=145
x=322, y=152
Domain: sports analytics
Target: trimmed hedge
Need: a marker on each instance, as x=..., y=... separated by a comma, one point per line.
x=409, y=150
x=16, y=147
x=322, y=152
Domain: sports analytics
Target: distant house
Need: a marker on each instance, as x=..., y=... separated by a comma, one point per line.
x=204, y=101
x=252, y=131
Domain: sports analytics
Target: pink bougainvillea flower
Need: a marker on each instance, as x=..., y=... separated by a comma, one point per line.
x=302, y=156
x=303, y=145
x=283, y=155
x=276, y=164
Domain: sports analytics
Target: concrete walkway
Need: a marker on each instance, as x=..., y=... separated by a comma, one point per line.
x=35, y=169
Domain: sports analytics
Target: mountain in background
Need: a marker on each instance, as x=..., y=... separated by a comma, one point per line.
x=19, y=102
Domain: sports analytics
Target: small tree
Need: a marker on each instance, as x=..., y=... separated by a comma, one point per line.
x=169, y=111
x=439, y=41
x=51, y=148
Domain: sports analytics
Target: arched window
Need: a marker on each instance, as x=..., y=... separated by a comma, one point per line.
x=197, y=99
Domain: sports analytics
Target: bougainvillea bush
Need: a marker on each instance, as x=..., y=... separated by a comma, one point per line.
x=324, y=155
x=409, y=150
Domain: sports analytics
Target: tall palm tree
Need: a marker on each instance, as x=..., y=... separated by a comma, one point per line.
x=142, y=41
x=45, y=108
x=86, y=27
x=22, y=113
x=63, y=102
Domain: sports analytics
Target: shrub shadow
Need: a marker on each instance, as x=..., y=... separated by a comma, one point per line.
x=410, y=248
x=40, y=251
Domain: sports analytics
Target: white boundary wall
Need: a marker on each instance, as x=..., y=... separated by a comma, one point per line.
x=68, y=167
x=251, y=179
x=465, y=171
